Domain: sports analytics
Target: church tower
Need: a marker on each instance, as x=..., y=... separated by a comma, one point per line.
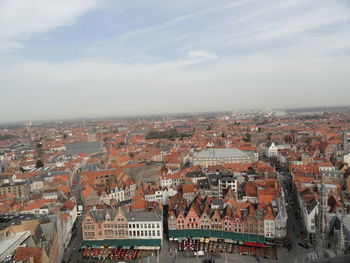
x=322, y=216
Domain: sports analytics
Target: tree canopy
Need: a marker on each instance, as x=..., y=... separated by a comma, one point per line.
x=39, y=164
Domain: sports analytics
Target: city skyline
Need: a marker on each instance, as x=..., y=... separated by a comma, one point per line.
x=91, y=58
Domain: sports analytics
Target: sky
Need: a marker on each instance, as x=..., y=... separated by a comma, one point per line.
x=96, y=58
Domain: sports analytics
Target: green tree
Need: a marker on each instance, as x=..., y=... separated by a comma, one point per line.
x=247, y=137
x=39, y=164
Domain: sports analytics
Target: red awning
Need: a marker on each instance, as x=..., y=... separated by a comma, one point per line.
x=254, y=244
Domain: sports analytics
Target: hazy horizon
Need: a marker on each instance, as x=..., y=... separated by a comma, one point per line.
x=90, y=58
x=302, y=110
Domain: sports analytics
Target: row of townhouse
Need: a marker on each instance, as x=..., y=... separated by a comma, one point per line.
x=171, y=179
x=107, y=186
x=161, y=195
x=117, y=194
x=237, y=217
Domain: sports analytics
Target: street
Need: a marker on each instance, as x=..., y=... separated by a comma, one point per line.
x=295, y=226
x=72, y=253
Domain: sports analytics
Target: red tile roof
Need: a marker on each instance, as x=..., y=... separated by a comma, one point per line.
x=24, y=254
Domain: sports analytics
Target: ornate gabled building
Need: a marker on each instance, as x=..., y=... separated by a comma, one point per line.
x=235, y=217
x=192, y=218
x=109, y=225
x=205, y=217
x=216, y=220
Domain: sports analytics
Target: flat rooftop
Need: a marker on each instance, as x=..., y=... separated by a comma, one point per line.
x=221, y=153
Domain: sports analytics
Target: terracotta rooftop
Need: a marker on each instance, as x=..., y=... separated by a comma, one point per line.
x=24, y=254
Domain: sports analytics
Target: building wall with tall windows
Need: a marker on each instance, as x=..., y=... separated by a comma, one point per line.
x=104, y=224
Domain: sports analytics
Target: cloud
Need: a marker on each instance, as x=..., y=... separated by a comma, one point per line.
x=201, y=55
x=22, y=19
x=180, y=19
x=231, y=27
x=95, y=88
x=285, y=26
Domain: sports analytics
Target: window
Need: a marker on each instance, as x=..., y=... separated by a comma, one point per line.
x=109, y=233
x=158, y=233
x=89, y=234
